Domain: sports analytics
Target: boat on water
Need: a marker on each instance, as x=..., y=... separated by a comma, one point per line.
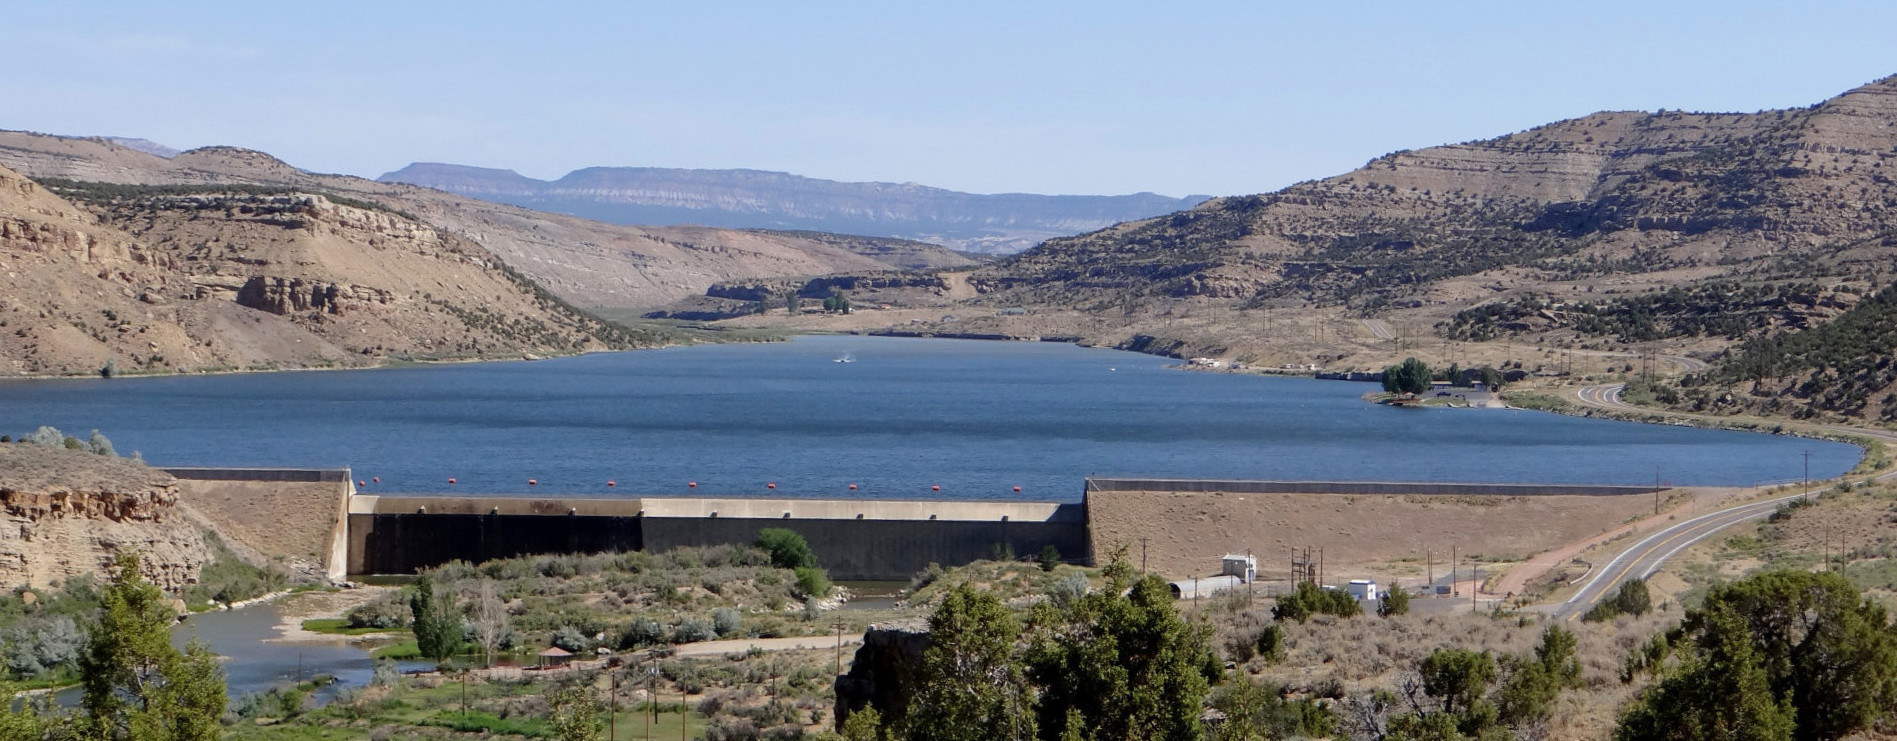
x=845, y=358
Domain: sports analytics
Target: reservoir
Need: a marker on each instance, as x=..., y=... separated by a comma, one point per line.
x=895, y=417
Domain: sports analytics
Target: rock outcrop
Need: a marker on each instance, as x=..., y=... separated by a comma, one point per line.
x=66, y=513
x=884, y=672
x=181, y=278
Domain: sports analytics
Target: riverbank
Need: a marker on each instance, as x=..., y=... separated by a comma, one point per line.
x=1576, y=402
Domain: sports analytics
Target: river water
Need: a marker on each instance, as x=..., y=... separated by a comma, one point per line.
x=901, y=417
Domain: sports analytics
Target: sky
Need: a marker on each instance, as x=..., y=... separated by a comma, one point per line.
x=1095, y=97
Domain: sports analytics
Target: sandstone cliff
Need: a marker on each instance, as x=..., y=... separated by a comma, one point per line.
x=180, y=279
x=67, y=513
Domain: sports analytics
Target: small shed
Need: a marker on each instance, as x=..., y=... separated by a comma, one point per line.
x=555, y=656
x=1363, y=589
x=1244, y=566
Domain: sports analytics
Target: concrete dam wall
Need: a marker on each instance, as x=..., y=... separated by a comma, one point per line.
x=853, y=539
x=351, y=533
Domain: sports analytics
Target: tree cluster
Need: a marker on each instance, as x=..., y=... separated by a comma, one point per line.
x=1410, y=377
x=1462, y=694
x=1779, y=656
x=134, y=683
x=1311, y=599
x=1115, y=663
x=1632, y=599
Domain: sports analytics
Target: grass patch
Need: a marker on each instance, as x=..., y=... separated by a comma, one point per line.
x=1536, y=401
x=399, y=651
x=340, y=627
x=476, y=721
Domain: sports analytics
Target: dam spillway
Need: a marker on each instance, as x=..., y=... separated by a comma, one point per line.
x=854, y=539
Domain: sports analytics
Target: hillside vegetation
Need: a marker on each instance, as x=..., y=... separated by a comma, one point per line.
x=1842, y=368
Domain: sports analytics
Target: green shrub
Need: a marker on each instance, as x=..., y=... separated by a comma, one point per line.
x=693, y=630
x=726, y=621
x=812, y=582
x=788, y=549
x=1394, y=602
x=1311, y=599
x=641, y=633
x=1050, y=557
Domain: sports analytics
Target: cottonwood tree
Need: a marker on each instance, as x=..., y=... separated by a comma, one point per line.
x=490, y=620
x=972, y=688
x=575, y=715
x=438, y=629
x=1410, y=377
x=135, y=684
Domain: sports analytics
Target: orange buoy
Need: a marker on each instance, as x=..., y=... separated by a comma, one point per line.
x=771, y=485
x=852, y=487
x=451, y=479
x=1017, y=488
x=937, y=487
x=377, y=479
x=360, y=482
x=533, y=482
x=694, y=484
x=612, y=483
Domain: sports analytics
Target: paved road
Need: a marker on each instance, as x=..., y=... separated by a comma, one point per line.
x=1645, y=557
x=1378, y=329
x=1640, y=560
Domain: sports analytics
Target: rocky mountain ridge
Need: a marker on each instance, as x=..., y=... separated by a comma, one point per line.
x=589, y=263
x=1617, y=203
x=998, y=223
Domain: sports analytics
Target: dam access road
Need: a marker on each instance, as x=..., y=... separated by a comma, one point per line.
x=1643, y=558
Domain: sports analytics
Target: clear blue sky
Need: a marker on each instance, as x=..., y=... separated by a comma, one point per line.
x=1081, y=97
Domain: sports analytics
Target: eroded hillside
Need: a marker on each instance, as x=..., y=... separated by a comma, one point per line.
x=1613, y=204
x=212, y=278
x=589, y=263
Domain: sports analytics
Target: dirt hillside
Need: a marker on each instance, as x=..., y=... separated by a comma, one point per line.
x=65, y=513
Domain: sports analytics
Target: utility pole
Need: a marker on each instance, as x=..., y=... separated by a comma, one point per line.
x=612, y=710
x=1656, y=490
x=1251, y=578
x=1431, y=584
x=1142, y=555
x=652, y=699
x=839, y=627
x=1807, y=492
x=1475, y=585
x=1452, y=570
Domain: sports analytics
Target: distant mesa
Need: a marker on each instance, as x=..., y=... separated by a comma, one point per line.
x=144, y=145
x=757, y=199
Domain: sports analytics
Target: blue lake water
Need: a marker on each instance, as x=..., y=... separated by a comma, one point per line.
x=975, y=418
